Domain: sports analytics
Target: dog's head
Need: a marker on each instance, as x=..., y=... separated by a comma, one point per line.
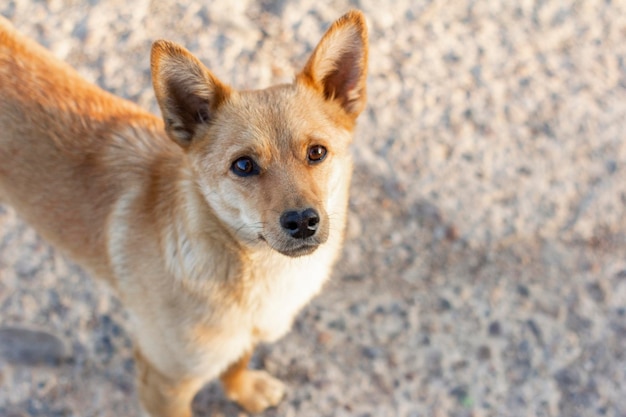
x=273, y=164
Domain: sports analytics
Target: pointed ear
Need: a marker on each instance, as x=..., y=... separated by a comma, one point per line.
x=338, y=66
x=187, y=93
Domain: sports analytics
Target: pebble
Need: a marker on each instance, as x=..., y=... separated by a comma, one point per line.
x=22, y=346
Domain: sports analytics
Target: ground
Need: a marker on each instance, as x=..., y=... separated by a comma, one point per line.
x=484, y=272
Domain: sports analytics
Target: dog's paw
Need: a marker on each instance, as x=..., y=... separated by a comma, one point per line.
x=256, y=390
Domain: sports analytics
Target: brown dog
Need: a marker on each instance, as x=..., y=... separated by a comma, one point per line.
x=215, y=228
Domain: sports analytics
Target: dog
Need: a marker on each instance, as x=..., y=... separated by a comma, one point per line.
x=215, y=224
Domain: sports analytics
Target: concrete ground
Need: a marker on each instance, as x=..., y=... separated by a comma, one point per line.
x=484, y=272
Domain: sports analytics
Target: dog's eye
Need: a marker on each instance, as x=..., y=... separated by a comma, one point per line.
x=316, y=153
x=245, y=167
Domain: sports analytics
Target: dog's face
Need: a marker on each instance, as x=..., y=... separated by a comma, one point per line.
x=273, y=164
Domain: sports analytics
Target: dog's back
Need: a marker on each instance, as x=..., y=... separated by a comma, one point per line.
x=58, y=142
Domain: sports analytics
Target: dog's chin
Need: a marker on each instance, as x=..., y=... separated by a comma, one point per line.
x=295, y=249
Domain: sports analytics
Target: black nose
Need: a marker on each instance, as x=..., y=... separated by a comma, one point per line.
x=300, y=224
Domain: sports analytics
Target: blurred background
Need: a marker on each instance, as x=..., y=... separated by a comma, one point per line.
x=484, y=272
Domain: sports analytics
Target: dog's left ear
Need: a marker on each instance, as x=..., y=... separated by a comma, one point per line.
x=187, y=93
x=337, y=67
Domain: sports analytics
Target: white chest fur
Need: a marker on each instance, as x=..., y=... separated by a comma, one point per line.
x=282, y=286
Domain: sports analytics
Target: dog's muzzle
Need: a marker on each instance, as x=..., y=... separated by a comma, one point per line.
x=299, y=232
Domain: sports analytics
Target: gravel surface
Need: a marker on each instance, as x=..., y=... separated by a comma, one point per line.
x=484, y=272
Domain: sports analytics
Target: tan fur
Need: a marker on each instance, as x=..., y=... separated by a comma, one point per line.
x=196, y=252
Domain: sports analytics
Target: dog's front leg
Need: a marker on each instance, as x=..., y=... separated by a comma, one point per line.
x=253, y=390
x=163, y=396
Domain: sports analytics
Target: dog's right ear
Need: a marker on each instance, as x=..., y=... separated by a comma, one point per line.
x=187, y=93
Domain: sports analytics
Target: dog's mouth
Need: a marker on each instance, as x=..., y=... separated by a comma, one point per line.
x=293, y=249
